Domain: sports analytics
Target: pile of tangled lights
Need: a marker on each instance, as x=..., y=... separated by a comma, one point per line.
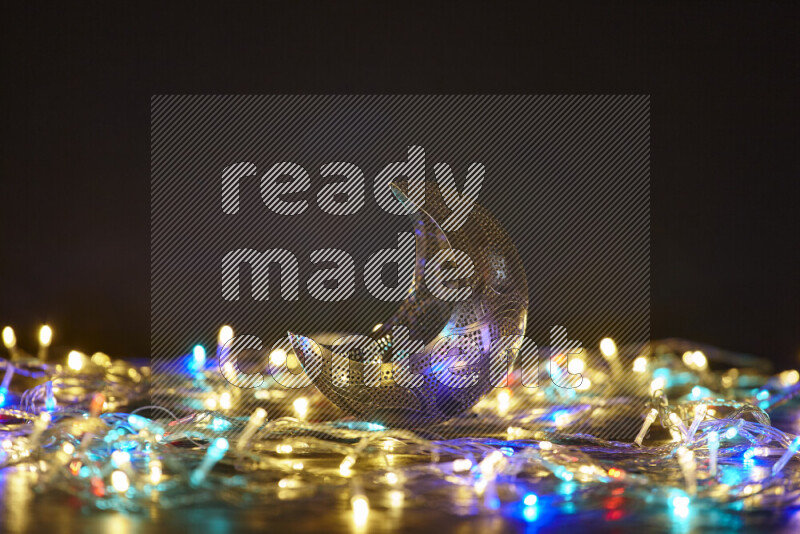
x=71, y=425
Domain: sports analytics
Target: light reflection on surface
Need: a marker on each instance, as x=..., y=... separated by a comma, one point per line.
x=563, y=508
x=17, y=496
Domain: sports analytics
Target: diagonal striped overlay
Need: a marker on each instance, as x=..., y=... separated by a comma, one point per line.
x=567, y=177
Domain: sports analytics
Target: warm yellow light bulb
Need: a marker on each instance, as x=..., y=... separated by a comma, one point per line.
x=9, y=339
x=789, y=378
x=700, y=360
x=101, y=359
x=75, y=360
x=156, y=472
x=608, y=347
x=562, y=420
x=360, y=510
x=396, y=498
x=657, y=384
x=462, y=464
x=277, y=357
x=640, y=364
x=301, y=407
x=120, y=481
x=225, y=335
x=120, y=458
x=503, y=401
x=45, y=335
x=576, y=366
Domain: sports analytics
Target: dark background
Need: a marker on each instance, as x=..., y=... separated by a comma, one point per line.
x=723, y=78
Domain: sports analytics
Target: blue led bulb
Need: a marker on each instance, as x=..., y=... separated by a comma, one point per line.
x=213, y=455
x=138, y=422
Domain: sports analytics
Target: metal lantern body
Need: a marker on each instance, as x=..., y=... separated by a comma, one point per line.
x=360, y=378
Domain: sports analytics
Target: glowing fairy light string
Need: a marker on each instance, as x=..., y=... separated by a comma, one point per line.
x=66, y=430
